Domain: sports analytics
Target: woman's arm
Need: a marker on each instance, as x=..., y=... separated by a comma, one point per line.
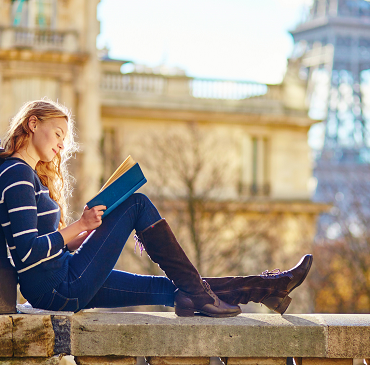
x=77, y=242
x=20, y=214
x=90, y=220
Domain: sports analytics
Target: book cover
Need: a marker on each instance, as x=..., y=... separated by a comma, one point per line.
x=114, y=193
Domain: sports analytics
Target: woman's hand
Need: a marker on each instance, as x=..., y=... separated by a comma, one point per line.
x=91, y=218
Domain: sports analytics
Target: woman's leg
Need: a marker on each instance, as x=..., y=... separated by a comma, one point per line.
x=123, y=289
x=93, y=262
x=270, y=288
x=194, y=294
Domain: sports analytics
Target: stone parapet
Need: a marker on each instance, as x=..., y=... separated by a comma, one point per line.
x=162, y=338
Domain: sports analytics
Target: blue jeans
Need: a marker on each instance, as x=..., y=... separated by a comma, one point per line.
x=91, y=281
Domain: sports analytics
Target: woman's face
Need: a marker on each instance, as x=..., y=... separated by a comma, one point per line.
x=47, y=137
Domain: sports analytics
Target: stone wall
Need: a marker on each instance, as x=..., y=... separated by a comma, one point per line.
x=119, y=338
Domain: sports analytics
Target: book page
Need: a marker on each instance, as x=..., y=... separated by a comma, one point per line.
x=125, y=166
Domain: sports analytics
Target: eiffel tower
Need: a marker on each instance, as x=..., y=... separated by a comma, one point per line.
x=333, y=46
x=332, y=49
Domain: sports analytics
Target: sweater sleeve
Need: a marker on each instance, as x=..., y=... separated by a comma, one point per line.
x=19, y=197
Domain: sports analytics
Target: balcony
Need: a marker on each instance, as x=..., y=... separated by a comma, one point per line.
x=162, y=338
x=158, y=91
x=38, y=39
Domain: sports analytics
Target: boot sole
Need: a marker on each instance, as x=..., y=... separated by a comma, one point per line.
x=190, y=312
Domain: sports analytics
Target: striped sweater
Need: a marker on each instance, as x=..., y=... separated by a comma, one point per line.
x=29, y=221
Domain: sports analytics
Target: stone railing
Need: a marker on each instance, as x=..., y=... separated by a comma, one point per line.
x=38, y=39
x=162, y=338
x=226, y=89
x=157, y=84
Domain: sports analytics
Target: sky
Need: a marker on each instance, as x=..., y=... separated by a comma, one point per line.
x=219, y=39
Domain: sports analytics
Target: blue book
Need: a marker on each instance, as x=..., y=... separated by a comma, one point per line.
x=124, y=182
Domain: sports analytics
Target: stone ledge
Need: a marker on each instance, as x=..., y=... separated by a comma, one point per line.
x=90, y=333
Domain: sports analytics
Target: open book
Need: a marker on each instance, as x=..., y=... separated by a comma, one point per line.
x=123, y=183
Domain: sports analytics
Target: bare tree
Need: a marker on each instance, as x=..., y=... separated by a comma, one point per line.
x=342, y=249
x=193, y=179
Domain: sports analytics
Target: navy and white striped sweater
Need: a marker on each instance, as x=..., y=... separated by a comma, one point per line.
x=29, y=221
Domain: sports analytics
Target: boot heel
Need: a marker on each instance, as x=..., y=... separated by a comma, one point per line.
x=184, y=312
x=277, y=304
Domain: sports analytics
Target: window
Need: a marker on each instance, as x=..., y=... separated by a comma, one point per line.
x=20, y=13
x=34, y=13
x=255, y=175
x=44, y=13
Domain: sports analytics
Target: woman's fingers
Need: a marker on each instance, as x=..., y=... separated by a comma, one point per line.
x=99, y=210
x=93, y=217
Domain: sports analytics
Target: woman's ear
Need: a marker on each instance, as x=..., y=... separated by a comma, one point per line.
x=32, y=123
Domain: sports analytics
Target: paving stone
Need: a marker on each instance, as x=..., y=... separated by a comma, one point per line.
x=168, y=360
x=106, y=360
x=55, y=360
x=321, y=361
x=256, y=361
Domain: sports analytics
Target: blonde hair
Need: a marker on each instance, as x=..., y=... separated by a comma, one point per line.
x=54, y=174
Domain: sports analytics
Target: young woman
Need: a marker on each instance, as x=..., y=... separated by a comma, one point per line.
x=33, y=183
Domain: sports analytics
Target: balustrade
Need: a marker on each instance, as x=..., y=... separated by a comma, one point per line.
x=38, y=39
x=181, y=86
x=226, y=89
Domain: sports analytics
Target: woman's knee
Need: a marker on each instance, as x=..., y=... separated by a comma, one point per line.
x=147, y=214
x=141, y=197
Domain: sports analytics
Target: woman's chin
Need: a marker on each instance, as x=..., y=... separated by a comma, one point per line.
x=48, y=159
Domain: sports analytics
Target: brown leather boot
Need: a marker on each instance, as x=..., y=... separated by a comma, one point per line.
x=271, y=288
x=193, y=294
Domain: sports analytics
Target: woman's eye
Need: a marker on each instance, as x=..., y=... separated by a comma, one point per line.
x=57, y=135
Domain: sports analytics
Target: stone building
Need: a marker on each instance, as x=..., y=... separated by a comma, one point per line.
x=48, y=48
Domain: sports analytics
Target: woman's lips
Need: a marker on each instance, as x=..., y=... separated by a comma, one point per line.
x=54, y=151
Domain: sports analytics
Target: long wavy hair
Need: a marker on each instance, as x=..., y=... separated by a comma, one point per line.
x=54, y=174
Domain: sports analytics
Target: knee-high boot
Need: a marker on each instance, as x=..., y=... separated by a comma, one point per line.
x=193, y=294
x=271, y=288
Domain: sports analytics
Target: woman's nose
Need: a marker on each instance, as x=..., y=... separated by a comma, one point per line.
x=61, y=145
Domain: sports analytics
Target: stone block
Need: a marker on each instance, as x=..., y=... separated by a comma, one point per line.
x=167, y=360
x=321, y=361
x=33, y=336
x=348, y=336
x=256, y=361
x=6, y=336
x=30, y=361
x=106, y=360
x=164, y=334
